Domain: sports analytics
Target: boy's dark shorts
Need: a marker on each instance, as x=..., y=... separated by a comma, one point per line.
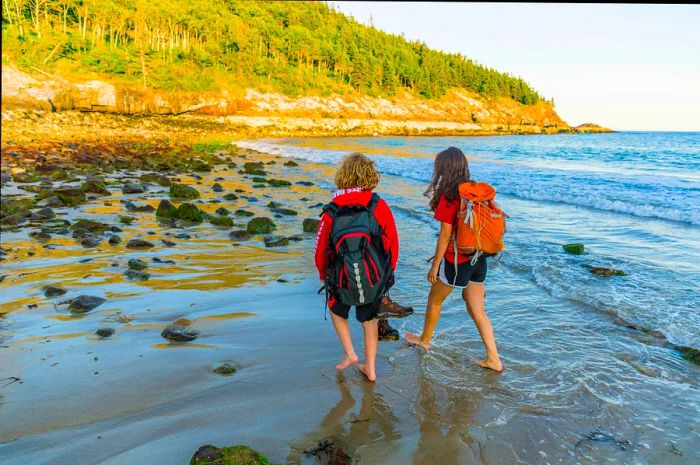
x=466, y=272
x=363, y=313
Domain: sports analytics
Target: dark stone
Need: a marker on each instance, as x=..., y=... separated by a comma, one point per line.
x=181, y=191
x=46, y=213
x=130, y=206
x=144, y=208
x=166, y=209
x=126, y=219
x=105, y=332
x=225, y=369
x=222, y=221
x=291, y=163
x=133, y=275
x=136, y=264
x=180, y=331
x=217, y=187
x=159, y=179
x=278, y=183
x=40, y=235
x=95, y=187
x=261, y=225
x=168, y=243
x=85, y=303
x=114, y=240
x=55, y=226
x=95, y=227
x=189, y=212
x=138, y=244
x=230, y=197
x=222, y=211
x=183, y=236
x=240, y=212
x=70, y=196
x=53, y=291
x=5, y=178
x=133, y=188
x=274, y=204
x=575, y=248
x=276, y=241
x=310, y=225
x=13, y=220
x=239, y=235
x=90, y=242
x=689, y=353
x=284, y=211
x=601, y=271
x=304, y=183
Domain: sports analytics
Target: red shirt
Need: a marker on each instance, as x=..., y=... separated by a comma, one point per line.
x=356, y=196
x=446, y=212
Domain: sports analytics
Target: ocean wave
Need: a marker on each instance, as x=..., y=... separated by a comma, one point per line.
x=641, y=196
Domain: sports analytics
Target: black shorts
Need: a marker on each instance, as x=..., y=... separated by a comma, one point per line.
x=363, y=313
x=466, y=272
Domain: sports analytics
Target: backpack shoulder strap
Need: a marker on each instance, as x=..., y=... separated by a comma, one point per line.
x=373, y=201
x=331, y=208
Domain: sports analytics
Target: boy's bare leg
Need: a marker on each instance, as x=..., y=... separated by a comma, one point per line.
x=438, y=293
x=371, y=341
x=343, y=329
x=473, y=295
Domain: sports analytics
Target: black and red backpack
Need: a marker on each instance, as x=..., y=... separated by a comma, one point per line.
x=359, y=268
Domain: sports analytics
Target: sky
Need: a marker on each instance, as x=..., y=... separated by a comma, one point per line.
x=623, y=66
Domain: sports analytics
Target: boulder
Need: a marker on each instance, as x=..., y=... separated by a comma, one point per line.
x=291, y=163
x=278, y=183
x=284, y=211
x=95, y=187
x=126, y=219
x=133, y=188
x=217, y=187
x=133, y=275
x=159, y=179
x=85, y=303
x=95, y=227
x=53, y=291
x=223, y=221
x=276, y=241
x=222, y=211
x=114, y=240
x=304, y=183
x=574, y=248
x=136, y=264
x=240, y=212
x=90, y=242
x=166, y=209
x=180, y=331
x=144, y=209
x=70, y=196
x=239, y=235
x=55, y=226
x=230, y=197
x=235, y=455
x=105, y=332
x=261, y=225
x=189, y=212
x=46, y=213
x=181, y=191
x=138, y=244
x=310, y=225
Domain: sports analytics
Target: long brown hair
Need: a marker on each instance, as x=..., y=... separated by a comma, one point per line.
x=450, y=170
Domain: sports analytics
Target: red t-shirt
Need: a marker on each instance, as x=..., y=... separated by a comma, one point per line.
x=446, y=212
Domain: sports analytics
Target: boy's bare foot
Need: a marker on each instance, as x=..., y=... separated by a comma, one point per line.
x=346, y=362
x=417, y=341
x=369, y=374
x=496, y=366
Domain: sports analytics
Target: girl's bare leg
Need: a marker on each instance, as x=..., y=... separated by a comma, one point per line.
x=438, y=293
x=371, y=341
x=343, y=329
x=473, y=295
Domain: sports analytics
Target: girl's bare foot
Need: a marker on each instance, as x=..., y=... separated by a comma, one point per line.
x=369, y=374
x=346, y=362
x=417, y=341
x=494, y=365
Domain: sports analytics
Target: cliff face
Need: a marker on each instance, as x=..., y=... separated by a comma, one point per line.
x=458, y=111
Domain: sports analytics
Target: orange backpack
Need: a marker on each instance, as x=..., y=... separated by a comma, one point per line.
x=480, y=222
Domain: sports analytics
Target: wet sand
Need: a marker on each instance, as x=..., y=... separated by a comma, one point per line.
x=567, y=395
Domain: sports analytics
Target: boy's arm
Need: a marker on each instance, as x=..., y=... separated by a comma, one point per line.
x=386, y=221
x=321, y=246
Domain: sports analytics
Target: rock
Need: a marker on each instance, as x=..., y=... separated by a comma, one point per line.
x=181, y=191
x=296, y=238
x=168, y=243
x=81, y=233
x=225, y=369
x=90, y=242
x=284, y=211
x=136, y=264
x=5, y=178
x=159, y=179
x=328, y=453
x=24, y=177
x=310, y=225
x=180, y=331
x=239, y=235
x=52, y=201
x=240, y=212
x=183, y=236
x=689, y=353
x=291, y=163
x=575, y=248
x=40, y=235
x=70, y=196
x=189, y=212
x=105, y=332
x=46, y=213
x=222, y=211
x=14, y=206
x=217, y=187
x=144, y=209
x=274, y=204
x=85, y=303
x=235, y=455
x=95, y=187
x=114, y=240
x=230, y=197
x=260, y=225
x=600, y=271
x=95, y=227
x=133, y=275
x=133, y=188
x=126, y=219
x=223, y=221
x=13, y=220
x=130, y=206
x=138, y=244
x=55, y=226
x=53, y=291
x=166, y=209
x=304, y=183
x=278, y=183
x=276, y=241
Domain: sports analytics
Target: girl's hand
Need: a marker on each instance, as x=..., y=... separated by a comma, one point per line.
x=433, y=274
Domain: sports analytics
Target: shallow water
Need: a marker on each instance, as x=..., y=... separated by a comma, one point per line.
x=571, y=370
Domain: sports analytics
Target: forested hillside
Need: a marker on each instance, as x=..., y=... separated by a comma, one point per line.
x=295, y=48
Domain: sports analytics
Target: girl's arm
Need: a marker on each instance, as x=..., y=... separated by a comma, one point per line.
x=443, y=243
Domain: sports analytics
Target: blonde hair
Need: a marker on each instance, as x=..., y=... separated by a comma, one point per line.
x=356, y=170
